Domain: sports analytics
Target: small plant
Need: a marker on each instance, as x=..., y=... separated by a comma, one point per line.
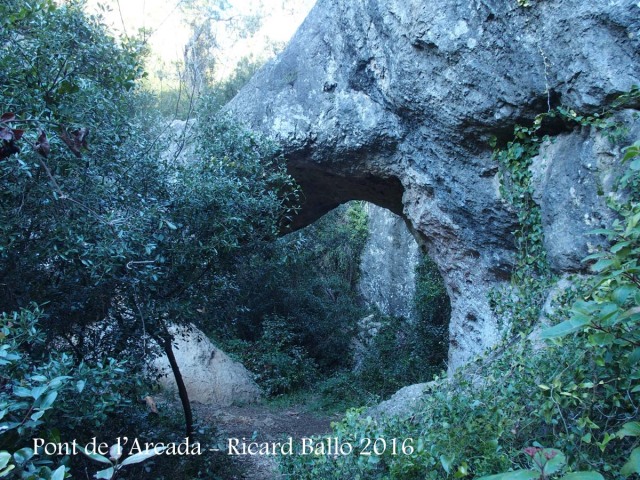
x=29, y=468
x=544, y=464
x=115, y=453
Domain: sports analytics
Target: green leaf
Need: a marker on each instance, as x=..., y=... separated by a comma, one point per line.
x=446, y=462
x=5, y=472
x=59, y=473
x=22, y=392
x=567, y=327
x=107, y=473
x=586, y=308
x=46, y=401
x=602, y=339
x=37, y=391
x=583, y=476
x=631, y=429
x=633, y=465
x=23, y=455
x=37, y=415
x=4, y=458
x=142, y=456
x=517, y=475
x=600, y=231
x=633, y=311
x=58, y=381
x=80, y=385
x=95, y=456
x=602, y=264
x=622, y=293
x=607, y=311
x=619, y=246
x=594, y=256
x=630, y=152
x=555, y=464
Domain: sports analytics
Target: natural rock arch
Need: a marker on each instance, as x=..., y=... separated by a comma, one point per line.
x=394, y=101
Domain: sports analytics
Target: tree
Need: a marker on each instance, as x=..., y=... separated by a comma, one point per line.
x=97, y=220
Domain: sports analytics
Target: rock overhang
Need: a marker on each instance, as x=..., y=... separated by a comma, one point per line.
x=394, y=102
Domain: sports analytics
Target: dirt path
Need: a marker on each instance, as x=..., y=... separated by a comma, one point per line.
x=259, y=423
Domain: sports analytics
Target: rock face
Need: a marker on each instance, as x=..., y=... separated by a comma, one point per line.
x=393, y=101
x=210, y=376
x=573, y=176
x=403, y=402
x=388, y=264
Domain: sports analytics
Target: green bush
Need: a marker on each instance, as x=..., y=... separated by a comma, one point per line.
x=46, y=395
x=100, y=220
x=280, y=364
x=308, y=280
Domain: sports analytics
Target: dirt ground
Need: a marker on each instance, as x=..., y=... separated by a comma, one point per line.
x=262, y=423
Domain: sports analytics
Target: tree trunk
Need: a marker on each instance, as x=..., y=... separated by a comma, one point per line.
x=182, y=390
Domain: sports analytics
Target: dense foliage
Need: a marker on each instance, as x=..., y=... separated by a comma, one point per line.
x=284, y=330
x=103, y=225
x=33, y=380
x=405, y=351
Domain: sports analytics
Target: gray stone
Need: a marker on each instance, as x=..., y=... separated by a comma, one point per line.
x=388, y=264
x=549, y=310
x=210, y=376
x=394, y=102
x=403, y=402
x=573, y=177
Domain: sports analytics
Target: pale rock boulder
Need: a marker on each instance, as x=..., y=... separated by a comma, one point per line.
x=404, y=401
x=210, y=375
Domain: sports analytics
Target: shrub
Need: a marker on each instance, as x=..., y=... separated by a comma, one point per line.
x=308, y=280
x=280, y=364
x=46, y=395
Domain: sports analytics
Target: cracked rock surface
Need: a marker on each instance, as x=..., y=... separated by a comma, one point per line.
x=394, y=101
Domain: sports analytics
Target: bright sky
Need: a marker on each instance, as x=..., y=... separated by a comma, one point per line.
x=166, y=20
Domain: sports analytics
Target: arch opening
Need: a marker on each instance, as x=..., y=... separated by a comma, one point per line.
x=324, y=191
x=410, y=300
x=348, y=308
x=404, y=336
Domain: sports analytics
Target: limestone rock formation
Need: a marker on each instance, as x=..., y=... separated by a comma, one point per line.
x=394, y=101
x=573, y=176
x=388, y=264
x=402, y=402
x=210, y=376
